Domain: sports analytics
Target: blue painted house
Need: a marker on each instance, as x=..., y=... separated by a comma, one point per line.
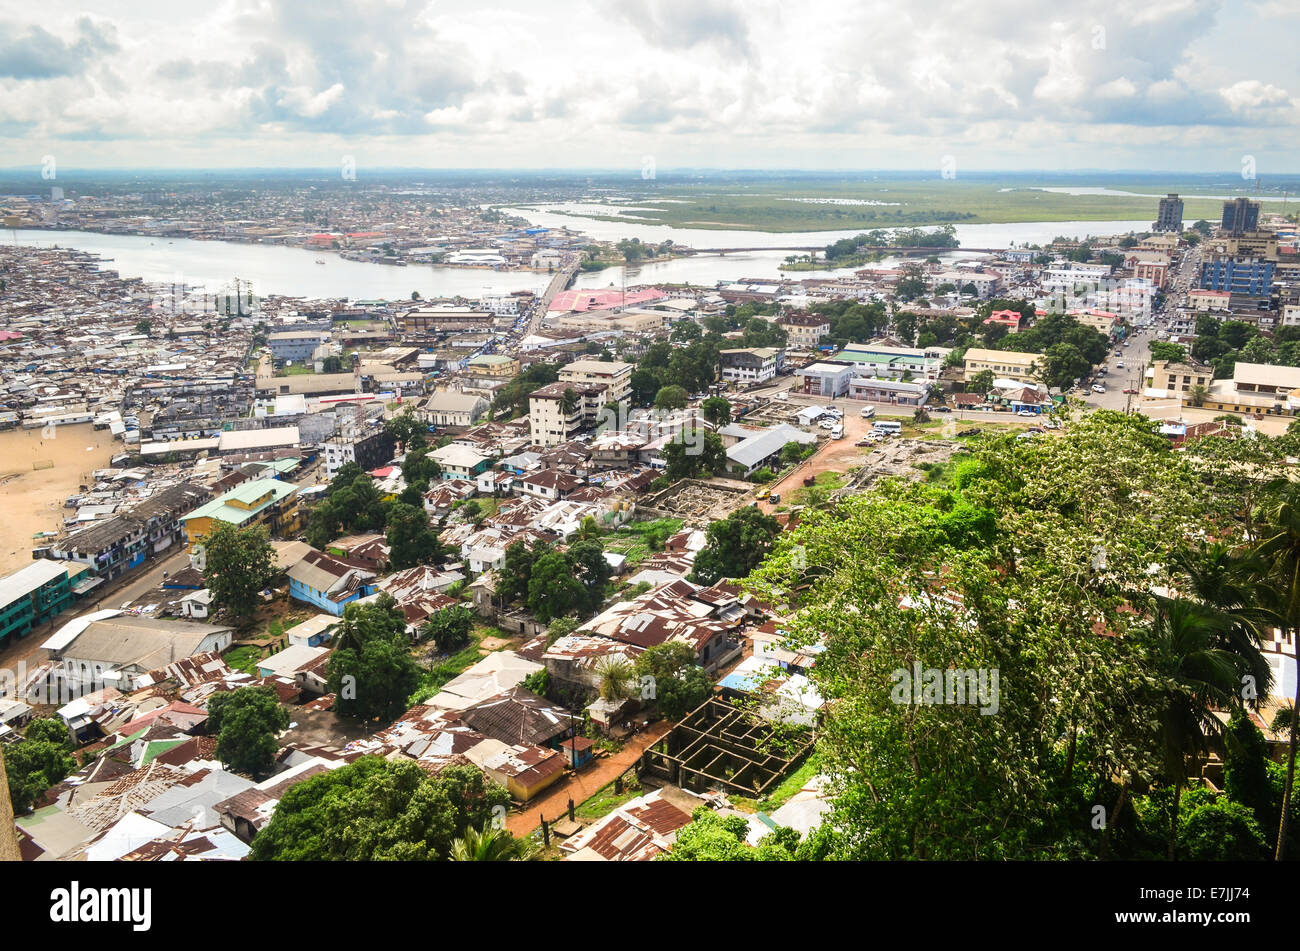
x=329, y=583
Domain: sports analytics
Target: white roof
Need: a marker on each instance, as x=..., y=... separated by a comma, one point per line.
x=26, y=580
x=73, y=629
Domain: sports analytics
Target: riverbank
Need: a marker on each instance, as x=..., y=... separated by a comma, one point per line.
x=34, y=496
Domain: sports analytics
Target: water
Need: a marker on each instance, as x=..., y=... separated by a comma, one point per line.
x=273, y=269
x=1098, y=190
x=971, y=236
x=294, y=272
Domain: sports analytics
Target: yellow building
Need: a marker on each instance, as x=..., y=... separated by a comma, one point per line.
x=494, y=365
x=1005, y=364
x=268, y=502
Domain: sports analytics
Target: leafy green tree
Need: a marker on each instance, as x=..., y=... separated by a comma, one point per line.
x=371, y=671
x=1221, y=831
x=1245, y=769
x=513, y=578
x=588, y=564
x=614, y=677
x=671, y=397
x=716, y=410
x=1164, y=350
x=735, y=545
x=40, y=760
x=376, y=809
x=449, y=628
x=684, y=331
x=411, y=539
x=553, y=591
x=680, y=684
x=246, y=723
x=981, y=382
x=238, y=563
x=492, y=844
x=694, y=453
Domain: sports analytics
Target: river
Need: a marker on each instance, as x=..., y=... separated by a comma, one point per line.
x=293, y=272
x=274, y=269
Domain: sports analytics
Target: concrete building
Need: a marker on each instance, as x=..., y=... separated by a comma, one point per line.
x=370, y=451
x=615, y=376
x=750, y=365
x=31, y=596
x=459, y=462
x=445, y=408
x=804, y=331
x=1249, y=276
x=551, y=423
x=889, y=391
x=1005, y=364
x=295, y=345
x=1240, y=214
x=109, y=647
x=1179, y=378
x=894, y=363
x=826, y=379
x=1169, y=217
x=268, y=502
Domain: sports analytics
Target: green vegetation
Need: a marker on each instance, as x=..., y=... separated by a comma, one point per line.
x=371, y=671
x=394, y=811
x=1033, y=562
x=636, y=541
x=246, y=723
x=736, y=546
x=42, y=758
x=238, y=564
x=908, y=202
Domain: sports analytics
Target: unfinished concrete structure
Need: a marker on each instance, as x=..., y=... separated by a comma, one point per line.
x=721, y=746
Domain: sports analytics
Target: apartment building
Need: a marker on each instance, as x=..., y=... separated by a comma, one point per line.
x=369, y=451
x=894, y=363
x=126, y=540
x=268, y=502
x=560, y=411
x=1251, y=276
x=296, y=345
x=804, y=331
x=1180, y=377
x=31, y=596
x=749, y=366
x=1169, y=217
x=1005, y=364
x=616, y=377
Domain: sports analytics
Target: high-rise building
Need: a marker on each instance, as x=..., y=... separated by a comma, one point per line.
x=1170, y=215
x=1240, y=215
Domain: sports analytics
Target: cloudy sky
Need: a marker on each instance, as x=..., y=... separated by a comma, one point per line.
x=996, y=84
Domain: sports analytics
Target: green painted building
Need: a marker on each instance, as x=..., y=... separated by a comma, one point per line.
x=32, y=596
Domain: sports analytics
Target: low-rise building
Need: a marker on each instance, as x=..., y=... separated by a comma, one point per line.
x=446, y=408
x=31, y=596
x=1005, y=364
x=268, y=502
x=750, y=365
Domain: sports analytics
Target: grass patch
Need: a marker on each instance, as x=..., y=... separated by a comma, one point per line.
x=826, y=483
x=244, y=658
x=606, y=800
x=793, y=783
x=637, y=541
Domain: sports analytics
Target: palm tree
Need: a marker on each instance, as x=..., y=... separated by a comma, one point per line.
x=1200, y=674
x=1278, y=548
x=616, y=677
x=568, y=403
x=492, y=844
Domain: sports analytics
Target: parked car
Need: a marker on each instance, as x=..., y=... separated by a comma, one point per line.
x=1027, y=412
x=774, y=498
x=1129, y=389
x=943, y=409
x=1098, y=388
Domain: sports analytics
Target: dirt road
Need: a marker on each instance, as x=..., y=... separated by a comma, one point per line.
x=586, y=783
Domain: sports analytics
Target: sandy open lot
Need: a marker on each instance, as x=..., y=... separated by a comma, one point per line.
x=33, y=498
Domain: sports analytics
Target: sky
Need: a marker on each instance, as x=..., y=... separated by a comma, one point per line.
x=1159, y=85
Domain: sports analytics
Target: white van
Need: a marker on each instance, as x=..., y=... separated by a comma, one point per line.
x=837, y=432
x=868, y=412
x=888, y=426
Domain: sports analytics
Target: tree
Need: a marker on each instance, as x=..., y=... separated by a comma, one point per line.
x=411, y=540
x=694, y=452
x=791, y=453
x=735, y=546
x=1197, y=395
x=568, y=402
x=246, y=723
x=684, y=331
x=1164, y=350
x=1245, y=769
x=716, y=410
x=981, y=382
x=615, y=677
x=1221, y=831
x=376, y=809
x=588, y=564
x=238, y=563
x=40, y=760
x=671, y=397
x=450, y=627
x=1278, y=548
x=553, y=591
x=492, y=844
x=371, y=670
x=680, y=684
